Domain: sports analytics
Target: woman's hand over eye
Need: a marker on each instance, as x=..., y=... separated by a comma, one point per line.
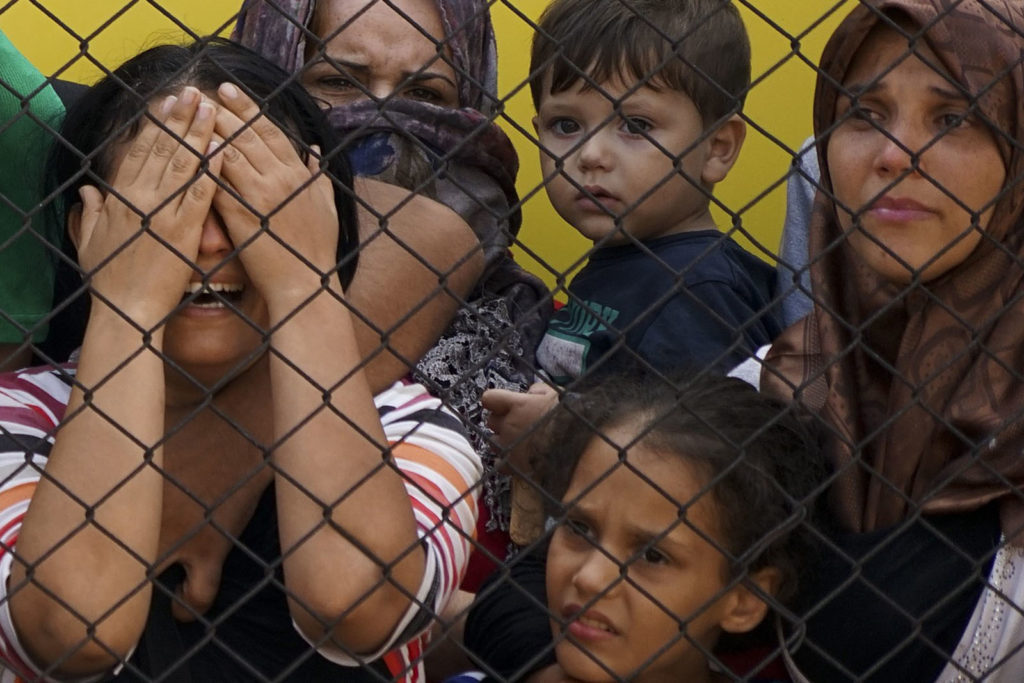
x=138, y=240
x=270, y=185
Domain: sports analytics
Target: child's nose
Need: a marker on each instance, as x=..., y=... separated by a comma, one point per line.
x=598, y=575
x=594, y=153
x=215, y=240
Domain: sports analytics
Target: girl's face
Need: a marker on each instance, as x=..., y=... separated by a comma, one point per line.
x=904, y=218
x=636, y=586
x=373, y=50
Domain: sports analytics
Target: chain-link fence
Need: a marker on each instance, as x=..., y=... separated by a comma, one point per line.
x=299, y=405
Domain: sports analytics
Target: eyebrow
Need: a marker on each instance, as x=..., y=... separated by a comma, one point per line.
x=668, y=535
x=362, y=68
x=853, y=90
x=332, y=62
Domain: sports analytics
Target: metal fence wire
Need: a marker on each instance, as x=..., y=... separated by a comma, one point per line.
x=259, y=294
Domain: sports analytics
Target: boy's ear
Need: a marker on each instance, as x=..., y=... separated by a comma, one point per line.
x=746, y=609
x=536, y=124
x=724, y=145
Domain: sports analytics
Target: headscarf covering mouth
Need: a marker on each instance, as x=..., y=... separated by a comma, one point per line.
x=281, y=29
x=918, y=389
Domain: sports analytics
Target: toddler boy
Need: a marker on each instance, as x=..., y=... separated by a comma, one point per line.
x=638, y=107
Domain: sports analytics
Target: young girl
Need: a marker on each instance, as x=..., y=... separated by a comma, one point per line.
x=681, y=515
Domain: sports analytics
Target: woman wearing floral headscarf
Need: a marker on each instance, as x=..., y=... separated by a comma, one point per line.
x=413, y=89
x=912, y=358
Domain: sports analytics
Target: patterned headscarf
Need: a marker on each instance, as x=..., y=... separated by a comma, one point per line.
x=456, y=156
x=279, y=29
x=920, y=390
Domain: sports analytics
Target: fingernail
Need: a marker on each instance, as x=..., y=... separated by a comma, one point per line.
x=228, y=91
x=189, y=95
x=167, y=104
x=213, y=147
x=205, y=111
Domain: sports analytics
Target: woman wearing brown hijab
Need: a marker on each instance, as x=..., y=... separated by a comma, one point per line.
x=913, y=358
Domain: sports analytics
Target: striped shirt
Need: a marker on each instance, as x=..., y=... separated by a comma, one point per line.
x=440, y=468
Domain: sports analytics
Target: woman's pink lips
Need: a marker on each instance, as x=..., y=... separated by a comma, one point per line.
x=590, y=625
x=192, y=310
x=899, y=210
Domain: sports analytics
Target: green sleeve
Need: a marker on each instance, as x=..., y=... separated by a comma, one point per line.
x=29, y=107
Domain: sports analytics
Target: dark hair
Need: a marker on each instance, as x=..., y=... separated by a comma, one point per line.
x=699, y=47
x=112, y=111
x=761, y=468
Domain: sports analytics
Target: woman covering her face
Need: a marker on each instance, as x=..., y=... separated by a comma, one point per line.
x=412, y=86
x=212, y=491
x=912, y=357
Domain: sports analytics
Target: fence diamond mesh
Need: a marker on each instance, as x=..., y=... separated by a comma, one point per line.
x=297, y=387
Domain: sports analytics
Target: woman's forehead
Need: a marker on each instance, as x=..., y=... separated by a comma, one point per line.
x=884, y=48
x=330, y=15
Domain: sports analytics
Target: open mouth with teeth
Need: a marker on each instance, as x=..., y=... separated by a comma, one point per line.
x=212, y=294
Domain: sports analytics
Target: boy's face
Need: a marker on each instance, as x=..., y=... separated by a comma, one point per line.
x=618, y=154
x=634, y=589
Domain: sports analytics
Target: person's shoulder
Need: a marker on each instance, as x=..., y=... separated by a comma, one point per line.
x=409, y=401
x=411, y=414
x=402, y=395
x=44, y=389
x=32, y=405
x=750, y=263
x=710, y=256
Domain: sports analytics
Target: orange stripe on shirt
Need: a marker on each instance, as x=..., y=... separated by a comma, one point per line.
x=435, y=462
x=16, y=494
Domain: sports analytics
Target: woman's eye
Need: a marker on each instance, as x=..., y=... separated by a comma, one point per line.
x=423, y=94
x=636, y=126
x=335, y=83
x=865, y=113
x=564, y=127
x=954, y=120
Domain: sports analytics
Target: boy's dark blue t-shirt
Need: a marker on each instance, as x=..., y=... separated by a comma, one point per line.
x=694, y=299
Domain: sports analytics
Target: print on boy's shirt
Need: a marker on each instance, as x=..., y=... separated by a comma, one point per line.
x=696, y=300
x=563, y=350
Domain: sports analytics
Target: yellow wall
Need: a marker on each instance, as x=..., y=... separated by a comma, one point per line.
x=779, y=102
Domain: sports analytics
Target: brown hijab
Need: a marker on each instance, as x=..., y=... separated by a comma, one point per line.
x=920, y=390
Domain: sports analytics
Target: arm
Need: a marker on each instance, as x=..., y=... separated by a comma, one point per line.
x=90, y=535
x=333, y=460
x=418, y=262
